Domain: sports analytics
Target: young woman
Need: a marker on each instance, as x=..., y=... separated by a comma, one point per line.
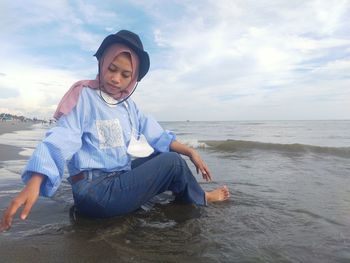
x=117, y=157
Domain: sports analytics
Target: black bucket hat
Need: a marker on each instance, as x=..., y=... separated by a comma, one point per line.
x=131, y=40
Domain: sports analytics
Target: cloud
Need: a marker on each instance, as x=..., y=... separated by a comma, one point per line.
x=8, y=93
x=246, y=54
x=32, y=88
x=210, y=60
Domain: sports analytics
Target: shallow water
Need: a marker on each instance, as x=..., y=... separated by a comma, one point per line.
x=289, y=203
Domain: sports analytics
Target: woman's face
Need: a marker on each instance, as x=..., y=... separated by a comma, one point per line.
x=118, y=75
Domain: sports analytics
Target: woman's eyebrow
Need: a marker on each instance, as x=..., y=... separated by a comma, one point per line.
x=124, y=70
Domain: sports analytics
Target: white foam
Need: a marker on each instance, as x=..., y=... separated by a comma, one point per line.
x=194, y=143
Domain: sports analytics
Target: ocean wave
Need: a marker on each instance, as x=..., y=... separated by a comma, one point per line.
x=239, y=145
x=194, y=143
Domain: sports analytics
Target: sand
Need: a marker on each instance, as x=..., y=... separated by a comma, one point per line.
x=11, y=126
x=8, y=152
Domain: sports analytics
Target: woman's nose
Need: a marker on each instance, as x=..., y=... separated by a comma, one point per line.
x=116, y=78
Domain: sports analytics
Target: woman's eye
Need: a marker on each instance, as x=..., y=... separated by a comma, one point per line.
x=112, y=69
x=126, y=76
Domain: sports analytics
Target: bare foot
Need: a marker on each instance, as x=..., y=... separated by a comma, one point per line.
x=218, y=195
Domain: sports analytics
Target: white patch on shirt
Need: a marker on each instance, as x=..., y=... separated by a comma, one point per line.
x=110, y=133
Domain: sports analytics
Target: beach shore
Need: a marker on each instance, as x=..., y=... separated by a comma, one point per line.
x=289, y=189
x=11, y=126
x=8, y=152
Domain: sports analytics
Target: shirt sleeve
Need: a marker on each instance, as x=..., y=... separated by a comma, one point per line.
x=156, y=136
x=60, y=143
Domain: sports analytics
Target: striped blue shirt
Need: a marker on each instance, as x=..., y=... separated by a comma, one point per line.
x=93, y=135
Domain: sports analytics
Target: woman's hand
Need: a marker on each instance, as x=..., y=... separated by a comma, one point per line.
x=200, y=165
x=27, y=197
x=194, y=156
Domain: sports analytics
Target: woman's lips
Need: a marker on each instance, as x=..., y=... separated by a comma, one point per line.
x=114, y=87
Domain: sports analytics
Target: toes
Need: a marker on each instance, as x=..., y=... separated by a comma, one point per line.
x=225, y=192
x=220, y=194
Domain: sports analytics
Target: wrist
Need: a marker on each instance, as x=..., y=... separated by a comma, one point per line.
x=36, y=179
x=191, y=152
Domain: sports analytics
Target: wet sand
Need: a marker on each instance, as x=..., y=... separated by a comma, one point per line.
x=11, y=126
x=8, y=152
x=14, y=246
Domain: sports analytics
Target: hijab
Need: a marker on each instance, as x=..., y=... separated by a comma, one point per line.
x=70, y=99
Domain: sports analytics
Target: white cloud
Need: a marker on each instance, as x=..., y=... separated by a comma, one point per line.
x=249, y=54
x=38, y=89
x=210, y=60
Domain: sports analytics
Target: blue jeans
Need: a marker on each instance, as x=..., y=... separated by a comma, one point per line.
x=102, y=194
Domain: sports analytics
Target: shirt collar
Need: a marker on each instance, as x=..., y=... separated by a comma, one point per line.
x=108, y=98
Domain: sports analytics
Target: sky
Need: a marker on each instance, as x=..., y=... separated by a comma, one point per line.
x=210, y=59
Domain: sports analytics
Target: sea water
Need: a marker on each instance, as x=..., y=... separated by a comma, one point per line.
x=290, y=202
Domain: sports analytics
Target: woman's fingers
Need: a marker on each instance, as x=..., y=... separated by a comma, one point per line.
x=7, y=218
x=201, y=166
x=5, y=222
x=208, y=177
x=26, y=197
x=28, y=206
x=206, y=174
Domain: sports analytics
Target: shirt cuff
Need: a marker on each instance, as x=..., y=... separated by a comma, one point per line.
x=42, y=162
x=47, y=188
x=163, y=143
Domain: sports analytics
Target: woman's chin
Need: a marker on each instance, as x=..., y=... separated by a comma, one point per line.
x=112, y=90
